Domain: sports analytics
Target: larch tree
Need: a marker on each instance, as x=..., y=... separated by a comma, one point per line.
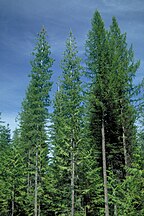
x=124, y=69
x=122, y=130
x=97, y=64
x=111, y=67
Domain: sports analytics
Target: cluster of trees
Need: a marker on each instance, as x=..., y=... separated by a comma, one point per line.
x=86, y=157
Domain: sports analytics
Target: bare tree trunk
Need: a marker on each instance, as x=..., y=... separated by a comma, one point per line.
x=123, y=137
x=73, y=176
x=39, y=210
x=104, y=168
x=85, y=211
x=13, y=202
x=36, y=184
x=115, y=206
x=115, y=210
x=124, y=146
x=28, y=174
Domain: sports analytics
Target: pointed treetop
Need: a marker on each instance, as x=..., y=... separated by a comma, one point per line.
x=97, y=18
x=114, y=26
x=43, y=30
x=70, y=36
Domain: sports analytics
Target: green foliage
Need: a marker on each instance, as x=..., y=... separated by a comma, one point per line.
x=5, y=181
x=52, y=156
x=66, y=137
x=33, y=123
x=111, y=69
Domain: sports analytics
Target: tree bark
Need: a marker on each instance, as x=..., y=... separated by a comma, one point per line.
x=73, y=176
x=124, y=146
x=13, y=202
x=115, y=206
x=123, y=137
x=39, y=210
x=104, y=168
x=28, y=175
x=36, y=183
x=115, y=210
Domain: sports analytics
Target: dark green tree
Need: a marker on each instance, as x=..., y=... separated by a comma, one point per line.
x=111, y=68
x=5, y=183
x=17, y=179
x=33, y=125
x=124, y=69
x=97, y=63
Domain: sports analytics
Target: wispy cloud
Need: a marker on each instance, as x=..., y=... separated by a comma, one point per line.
x=125, y=6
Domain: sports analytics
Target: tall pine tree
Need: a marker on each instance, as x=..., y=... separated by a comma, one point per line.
x=67, y=129
x=33, y=124
x=97, y=63
x=111, y=68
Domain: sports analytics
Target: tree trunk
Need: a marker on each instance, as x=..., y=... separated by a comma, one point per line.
x=104, y=168
x=36, y=184
x=124, y=146
x=72, y=176
x=12, y=202
x=39, y=210
x=115, y=210
x=123, y=137
x=28, y=174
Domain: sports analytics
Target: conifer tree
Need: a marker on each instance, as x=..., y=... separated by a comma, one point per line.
x=67, y=128
x=16, y=170
x=124, y=69
x=111, y=68
x=33, y=122
x=97, y=62
x=5, y=183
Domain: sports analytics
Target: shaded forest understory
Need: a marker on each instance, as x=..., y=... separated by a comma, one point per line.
x=86, y=158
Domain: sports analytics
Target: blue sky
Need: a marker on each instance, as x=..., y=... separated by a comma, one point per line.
x=21, y=20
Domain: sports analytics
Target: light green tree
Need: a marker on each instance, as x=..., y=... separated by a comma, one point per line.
x=67, y=121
